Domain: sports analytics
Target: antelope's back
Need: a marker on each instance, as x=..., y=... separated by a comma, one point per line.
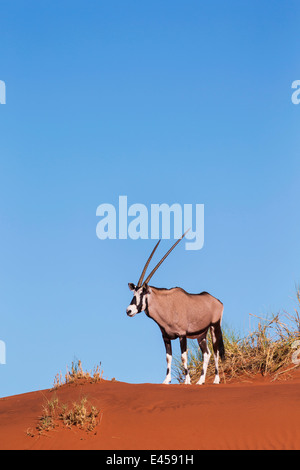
x=202, y=307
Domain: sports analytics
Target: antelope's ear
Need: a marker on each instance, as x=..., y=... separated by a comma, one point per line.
x=146, y=289
x=131, y=286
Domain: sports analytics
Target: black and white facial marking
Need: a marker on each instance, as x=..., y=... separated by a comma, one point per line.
x=138, y=303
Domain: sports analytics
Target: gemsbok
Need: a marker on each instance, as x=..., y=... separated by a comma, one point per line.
x=180, y=315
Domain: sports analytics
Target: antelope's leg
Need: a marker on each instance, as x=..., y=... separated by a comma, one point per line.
x=214, y=335
x=184, y=359
x=169, y=360
x=206, y=356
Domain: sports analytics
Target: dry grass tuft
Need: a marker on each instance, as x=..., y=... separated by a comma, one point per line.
x=82, y=415
x=78, y=375
x=267, y=350
x=48, y=419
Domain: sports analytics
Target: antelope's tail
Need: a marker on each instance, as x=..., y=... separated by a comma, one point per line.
x=221, y=347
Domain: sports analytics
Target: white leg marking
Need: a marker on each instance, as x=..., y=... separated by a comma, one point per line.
x=206, y=357
x=217, y=377
x=184, y=359
x=169, y=362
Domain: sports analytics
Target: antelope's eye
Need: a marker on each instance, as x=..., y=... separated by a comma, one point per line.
x=133, y=301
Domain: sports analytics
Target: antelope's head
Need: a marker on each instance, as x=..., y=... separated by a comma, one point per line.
x=138, y=303
x=140, y=291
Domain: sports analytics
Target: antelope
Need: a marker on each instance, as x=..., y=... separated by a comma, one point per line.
x=180, y=315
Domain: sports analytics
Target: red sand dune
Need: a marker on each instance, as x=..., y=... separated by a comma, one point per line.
x=247, y=415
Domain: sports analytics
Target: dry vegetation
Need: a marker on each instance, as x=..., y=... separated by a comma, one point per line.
x=78, y=375
x=267, y=350
x=82, y=415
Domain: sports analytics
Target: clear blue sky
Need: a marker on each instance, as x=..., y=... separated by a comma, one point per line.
x=172, y=101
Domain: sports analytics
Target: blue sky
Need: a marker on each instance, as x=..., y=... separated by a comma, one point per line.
x=163, y=102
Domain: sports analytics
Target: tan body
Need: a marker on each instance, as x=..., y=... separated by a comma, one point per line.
x=179, y=313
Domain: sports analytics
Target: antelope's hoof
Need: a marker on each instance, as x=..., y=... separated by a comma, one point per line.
x=200, y=382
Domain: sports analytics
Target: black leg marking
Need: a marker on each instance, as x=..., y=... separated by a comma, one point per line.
x=168, y=347
x=183, y=347
x=206, y=356
x=218, y=347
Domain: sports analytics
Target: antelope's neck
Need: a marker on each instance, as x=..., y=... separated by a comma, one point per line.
x=152, y=309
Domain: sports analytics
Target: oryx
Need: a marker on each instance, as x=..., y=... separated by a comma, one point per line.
x=180, y=315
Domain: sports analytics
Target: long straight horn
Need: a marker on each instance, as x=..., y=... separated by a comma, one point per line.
x=147, y=264
x=163, y=259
